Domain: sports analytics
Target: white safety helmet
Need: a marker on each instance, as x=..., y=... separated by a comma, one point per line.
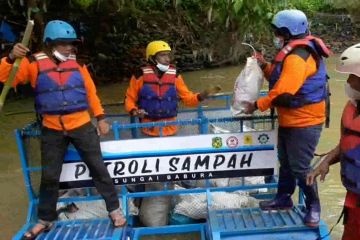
x=349, y=61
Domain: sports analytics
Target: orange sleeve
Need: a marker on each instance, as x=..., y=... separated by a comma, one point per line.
x=26, y=72
x=189, y=98
x=294, y=73
x=5, y=69
x=93, y=99
x=132, y=93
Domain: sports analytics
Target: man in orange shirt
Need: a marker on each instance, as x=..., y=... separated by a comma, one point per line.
x=64, y=94
x=153, y=96
x=347, y=152
x=156, y=89
x=297, y=82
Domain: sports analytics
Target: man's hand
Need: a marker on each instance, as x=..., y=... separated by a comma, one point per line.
x=321, y=170
x=140, y=113
x=18, y=51
x=260, y=59
x=209, y=91
x=331, y=158
x=102, y=127
x=249, y=107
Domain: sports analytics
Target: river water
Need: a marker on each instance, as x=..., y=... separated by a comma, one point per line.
x=13, y=197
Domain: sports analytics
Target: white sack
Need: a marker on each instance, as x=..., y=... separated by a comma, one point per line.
x=195, y=205
x=154, y=211
x=247, y=86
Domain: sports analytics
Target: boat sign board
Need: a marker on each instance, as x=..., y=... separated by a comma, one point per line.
x=179, y=158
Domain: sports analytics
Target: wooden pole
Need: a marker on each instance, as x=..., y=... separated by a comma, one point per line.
x=9, y=82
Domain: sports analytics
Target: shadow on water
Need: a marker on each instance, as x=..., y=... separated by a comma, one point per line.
x=13, y=197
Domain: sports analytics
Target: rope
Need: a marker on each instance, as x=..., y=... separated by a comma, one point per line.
x=332, y=228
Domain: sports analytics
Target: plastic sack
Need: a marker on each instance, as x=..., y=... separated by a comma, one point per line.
x=195, y=205
x=216, y=129
x=154, y=211
x=247, y=86
x=87, y=209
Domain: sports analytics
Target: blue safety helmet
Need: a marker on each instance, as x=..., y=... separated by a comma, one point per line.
x=58, y=30
x=294, y=21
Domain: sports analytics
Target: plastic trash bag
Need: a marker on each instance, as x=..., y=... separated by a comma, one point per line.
x=247, y=86
x=154, y=211
x=86, y=209
x=195, y=205
x=216, y=129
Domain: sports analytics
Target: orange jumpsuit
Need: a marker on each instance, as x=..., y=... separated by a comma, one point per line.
x=28, y=71
x=189, y=99
x=290, y=81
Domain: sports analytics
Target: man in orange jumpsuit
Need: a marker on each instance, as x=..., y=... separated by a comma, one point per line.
x=156, y=89
x=347, y=152
x=297, y=82
x=64, y=94
x=153, y=96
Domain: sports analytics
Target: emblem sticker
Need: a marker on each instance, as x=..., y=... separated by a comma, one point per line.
x=248, y=140
x=232, y=142
x=217, y=142
x=263, y=138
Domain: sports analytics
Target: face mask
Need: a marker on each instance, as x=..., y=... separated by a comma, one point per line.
x=59, y=56
x=162, y=67
x=278, y=42
x=353, y=94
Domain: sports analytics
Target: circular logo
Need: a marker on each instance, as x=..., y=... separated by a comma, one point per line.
x=232, y=142
x=263, y=138
x=217, y=142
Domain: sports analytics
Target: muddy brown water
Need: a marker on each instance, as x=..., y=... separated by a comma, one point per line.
x=13, y=196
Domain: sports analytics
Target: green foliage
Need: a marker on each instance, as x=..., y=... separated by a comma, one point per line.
x=83, y=4
x=347, y=4
x=351, y=6
x=232, y=15
x=311, y=6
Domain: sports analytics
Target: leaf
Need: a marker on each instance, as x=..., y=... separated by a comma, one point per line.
x=238, y=4
x=176, y=3
x=269, y=15
x=227, y=24
x=209, y=14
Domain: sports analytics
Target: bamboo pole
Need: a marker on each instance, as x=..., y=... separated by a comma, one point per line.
x=9, y=82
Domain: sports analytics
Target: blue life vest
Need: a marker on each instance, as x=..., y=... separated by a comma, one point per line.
x=158, y=96
x=59, y=88
x=350, y=149
x=314, y=89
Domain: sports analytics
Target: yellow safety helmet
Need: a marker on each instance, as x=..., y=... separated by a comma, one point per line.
x=156, y=46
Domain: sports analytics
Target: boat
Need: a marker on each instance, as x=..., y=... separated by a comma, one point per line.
x=210, y=144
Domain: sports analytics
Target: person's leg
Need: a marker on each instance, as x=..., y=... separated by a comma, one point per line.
x=87, y=143
x=53, y=148
x=286, y=183
x=302, y=145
